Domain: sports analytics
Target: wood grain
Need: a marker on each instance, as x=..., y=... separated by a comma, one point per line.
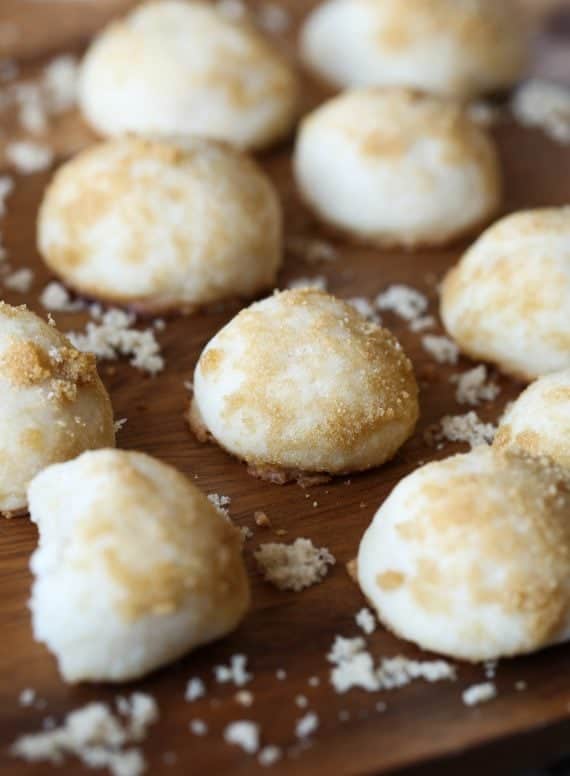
x=424, y=726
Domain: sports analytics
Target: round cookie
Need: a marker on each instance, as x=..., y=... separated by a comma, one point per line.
x=470, y=556
x=392, y=166
x=135, y=567
x=162, y=225
x=507, y=301
x=458, y=48
x=539, y=420
x=53, y=405
x=184, y=68
x=301, y=384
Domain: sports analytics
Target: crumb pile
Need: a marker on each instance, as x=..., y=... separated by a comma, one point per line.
x=115, y=336
x=97, y=736
x=293, y=566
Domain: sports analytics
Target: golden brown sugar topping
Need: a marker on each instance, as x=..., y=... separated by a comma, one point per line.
x=388, y=123
x=168, y=544
x=390, y=580
x=516, y=516
x=25, y=364
x=480, y=28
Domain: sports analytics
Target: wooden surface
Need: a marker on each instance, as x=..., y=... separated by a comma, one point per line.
x=424, y=726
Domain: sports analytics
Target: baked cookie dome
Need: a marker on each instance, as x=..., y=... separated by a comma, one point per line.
x=184, y=68
x=53, y=405
x=539, y=420
x=395, y=167
x=162, y=225
x=135, y=567
x=301, y=384
x=470, y=556
x=459, y=48
x=508, y=299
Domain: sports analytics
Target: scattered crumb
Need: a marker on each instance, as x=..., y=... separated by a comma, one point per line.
x=27, y=697
x=96, y=736
x=545, y=105
x=56, y=298
x=301, y=701
x=422, y=323
x=365, y=308
x=319, y=282
x=269, y=755
x=381, y=706
x=194, y=689
x=140, y=710
x=198, y=727
x=20, y=280
x=119, y=424
x=463, y=428
x=262, y=520
x=189, y=385
x=366, y=621
x=281, y=674
x=28, y=157
x=306, y=725
x=244, y=697
x=520, y=686
x=310, y=250
x=314, y=681
x=114, y=336
x=473, y=387
x=404, y=301
x=479, y=693
x=354, y=667
x=236, y=672
x=490, y=668
x=243, y=733
x=293, y=566
x=399, y=671
x=442, y=349
x=221, y=503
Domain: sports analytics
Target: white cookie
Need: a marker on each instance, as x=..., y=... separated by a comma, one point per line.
x=392, y=166
x=53, y=405
x=459, y=48
x=470, y=556
x=183, y=68
x=508, y=299
x=135, y=567
x=539, y=420
x=300, y=383
x=161, y=225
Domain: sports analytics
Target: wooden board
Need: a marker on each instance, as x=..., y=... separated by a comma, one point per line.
x=423, y=726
